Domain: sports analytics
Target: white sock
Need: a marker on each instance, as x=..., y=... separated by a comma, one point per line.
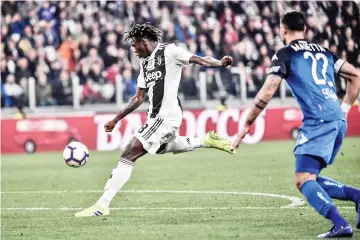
x=184, y=144
x=197, y=142
x=119, y=176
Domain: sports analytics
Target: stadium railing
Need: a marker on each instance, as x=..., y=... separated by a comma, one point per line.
x=242, y=100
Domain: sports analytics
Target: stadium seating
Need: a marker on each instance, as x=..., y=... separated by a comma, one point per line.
x=57, y=43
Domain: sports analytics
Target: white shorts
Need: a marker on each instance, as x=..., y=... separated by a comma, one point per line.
x=156, y=132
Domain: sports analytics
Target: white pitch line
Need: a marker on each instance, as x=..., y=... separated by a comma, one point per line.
x=295, y=201
x=159, y=209
x=140, y=208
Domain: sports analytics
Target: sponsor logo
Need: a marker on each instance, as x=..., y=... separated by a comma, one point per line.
x=153, y=76
x=89, y=128
x=195, y=125
x=274, y=69
x=329, y=93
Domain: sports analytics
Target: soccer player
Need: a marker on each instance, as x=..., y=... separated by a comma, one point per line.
x=309, y=70
x=159, y=78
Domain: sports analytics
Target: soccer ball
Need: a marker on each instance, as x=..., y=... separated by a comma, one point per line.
x=76, y=154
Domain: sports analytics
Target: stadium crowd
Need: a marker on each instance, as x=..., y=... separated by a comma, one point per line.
x=54, y=42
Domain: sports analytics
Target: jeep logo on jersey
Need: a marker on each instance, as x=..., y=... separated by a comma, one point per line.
x=153, y=76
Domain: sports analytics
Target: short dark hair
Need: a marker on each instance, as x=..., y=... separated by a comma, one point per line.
x=143, y=31
x=293, y=20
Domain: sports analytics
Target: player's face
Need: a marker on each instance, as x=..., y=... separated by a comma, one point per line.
x=140, y=48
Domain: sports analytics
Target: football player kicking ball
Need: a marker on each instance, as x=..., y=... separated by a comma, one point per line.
x=309, y=70
x=159, y=78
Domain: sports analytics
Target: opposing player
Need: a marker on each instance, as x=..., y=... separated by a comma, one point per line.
x=160, y=73
x=309, y=70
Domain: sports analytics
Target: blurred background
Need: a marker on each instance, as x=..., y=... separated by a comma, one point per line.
x=61, y=57
x=71, y=53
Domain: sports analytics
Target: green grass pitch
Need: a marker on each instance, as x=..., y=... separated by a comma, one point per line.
x=40, y=195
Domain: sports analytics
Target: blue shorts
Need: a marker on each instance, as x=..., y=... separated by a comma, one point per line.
x=309, y=164
x=321, y=140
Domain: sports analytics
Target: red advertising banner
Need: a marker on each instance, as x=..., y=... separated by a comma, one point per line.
x=53, y=133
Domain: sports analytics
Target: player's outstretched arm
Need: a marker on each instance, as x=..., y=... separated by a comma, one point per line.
x=211, y=62
x=265, y=94
x=133, y=104
x=353, y=85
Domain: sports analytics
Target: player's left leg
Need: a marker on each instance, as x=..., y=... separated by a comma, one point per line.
x=343, y=192
x=307, y=169
x=338, y=190
x=183, y=144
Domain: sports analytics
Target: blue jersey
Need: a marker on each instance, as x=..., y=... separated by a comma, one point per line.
x=309, y=70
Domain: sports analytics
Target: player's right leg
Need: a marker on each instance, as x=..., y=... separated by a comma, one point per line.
x=118, y=178
x=183, y=144
x=307, y=169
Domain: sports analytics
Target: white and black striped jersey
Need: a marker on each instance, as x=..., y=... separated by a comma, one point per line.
x=160, y=75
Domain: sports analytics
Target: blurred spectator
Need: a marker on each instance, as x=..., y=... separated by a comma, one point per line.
x=84, y=46
x=23, y=70
x=67, y=50
x=44, y=91
x=18, y=25
x=227, y=81
x=93, y=57
x=112, y=72
x=51, y=37
x=96, y=73
x=83, y=73
x=212, y=87
x=13, y=93
x=256, y=81
x=55, y=68
x=62, y=90
x=129, y=85
x=11, y=51
x=228, y=17
x=188, y=85
x=46, y=12
x=24, y=98
x=91, y=93
x=169, y=34
x=110, y=55
x=352, y=52
x=182, y=29
x=4, y=70
x=9, y=7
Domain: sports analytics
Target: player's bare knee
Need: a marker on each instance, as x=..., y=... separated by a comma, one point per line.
x=133, y=150
x=301, y=178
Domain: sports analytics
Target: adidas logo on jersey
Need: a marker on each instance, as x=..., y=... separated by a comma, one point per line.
x=153, y=76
